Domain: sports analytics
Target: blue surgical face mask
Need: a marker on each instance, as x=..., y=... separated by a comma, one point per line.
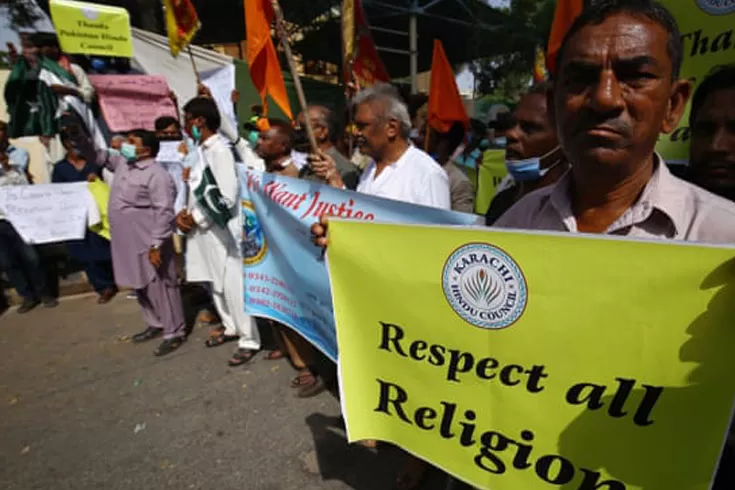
x=529, y=168
x=128, y=152
x=196, y=133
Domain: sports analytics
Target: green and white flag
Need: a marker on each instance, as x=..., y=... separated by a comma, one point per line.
x=207, y=193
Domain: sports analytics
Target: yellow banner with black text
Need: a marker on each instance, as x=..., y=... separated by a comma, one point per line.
x=520, y=361
x=708, y=42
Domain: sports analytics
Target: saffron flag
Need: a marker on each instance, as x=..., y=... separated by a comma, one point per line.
x=182, y=24
x=262, y=58
x=566, y=12
x=359, y=54
x=445, y=103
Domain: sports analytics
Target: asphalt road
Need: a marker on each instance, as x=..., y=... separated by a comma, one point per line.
x=83, y=408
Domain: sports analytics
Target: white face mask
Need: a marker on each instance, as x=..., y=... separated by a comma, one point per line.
x=529, y=168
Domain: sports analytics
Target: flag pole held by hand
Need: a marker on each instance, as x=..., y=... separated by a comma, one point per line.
x=292, y=67
x=193, y=64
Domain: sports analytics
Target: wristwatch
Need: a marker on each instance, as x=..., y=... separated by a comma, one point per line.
x=155, y=247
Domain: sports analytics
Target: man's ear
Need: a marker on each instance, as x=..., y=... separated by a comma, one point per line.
x=391, y=128
x=680, y=93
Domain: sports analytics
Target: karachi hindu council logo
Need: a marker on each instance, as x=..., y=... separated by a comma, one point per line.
x=717, y=7
x=253, y=245
x=485, y=286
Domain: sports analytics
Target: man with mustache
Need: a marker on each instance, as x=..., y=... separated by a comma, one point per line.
x=532, y=154
x=712, y=123
x=399, y=170
x=617, y=88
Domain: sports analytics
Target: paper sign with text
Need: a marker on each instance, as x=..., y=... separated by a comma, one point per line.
x=48, y=213
x=520, y=361
x=92, y=29
x=284, y=272
x=133, y=101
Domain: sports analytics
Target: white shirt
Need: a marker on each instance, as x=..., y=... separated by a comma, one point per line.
x=210, y=249
x=415, y=178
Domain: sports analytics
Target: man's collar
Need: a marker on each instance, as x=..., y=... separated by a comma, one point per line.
x=664, y=194
x=661, y=194
x=211, y=141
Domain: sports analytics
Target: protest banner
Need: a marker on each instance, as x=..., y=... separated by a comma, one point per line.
x=100, y=192
x=491, y=172
x=530, y=361
x=133, y=101
x=707, y=35
x=92, y=29
x=49, y=213
x=284, y=272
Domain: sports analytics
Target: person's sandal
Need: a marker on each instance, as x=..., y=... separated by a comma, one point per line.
x=219, y=339
x=168, y=346
x=309, y=390
x=274, y=355
x=241, y=357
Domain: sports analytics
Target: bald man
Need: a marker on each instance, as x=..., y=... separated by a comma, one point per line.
x=326, y=131
x=274, y=147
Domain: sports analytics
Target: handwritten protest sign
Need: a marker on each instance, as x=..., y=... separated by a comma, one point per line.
x=707, y=34
x=133, y=101
x=89, y=28
x=169, y=152
x=49, y=212
x=528, y=361
x=284, y=273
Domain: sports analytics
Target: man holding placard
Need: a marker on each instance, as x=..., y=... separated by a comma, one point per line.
x=19, y=260
x=617, y=88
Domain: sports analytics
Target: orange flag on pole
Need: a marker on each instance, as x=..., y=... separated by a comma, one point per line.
x=265, y=69
x=182, y=24
x=566, y=12
x=445, y=103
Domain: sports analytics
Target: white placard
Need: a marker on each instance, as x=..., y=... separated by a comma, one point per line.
x=221, y=82
x=169, y=152
x=47, y=213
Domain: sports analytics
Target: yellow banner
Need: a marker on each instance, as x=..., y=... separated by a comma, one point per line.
x=707, y=35
x=491, y=174
x=529, y=362
x=101, y=194
x=88, y=28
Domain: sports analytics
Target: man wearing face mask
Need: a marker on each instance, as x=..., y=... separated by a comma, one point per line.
x=533, y=157
x=213, y=251
x=141, y=215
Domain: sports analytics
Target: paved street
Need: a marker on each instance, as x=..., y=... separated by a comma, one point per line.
x=83, y=408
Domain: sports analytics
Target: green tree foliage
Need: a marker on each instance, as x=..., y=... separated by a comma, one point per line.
x=508, y=74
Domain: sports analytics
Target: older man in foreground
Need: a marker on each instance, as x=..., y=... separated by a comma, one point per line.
x=616, y=90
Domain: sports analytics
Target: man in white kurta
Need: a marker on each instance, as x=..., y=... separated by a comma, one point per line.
x=213, y=252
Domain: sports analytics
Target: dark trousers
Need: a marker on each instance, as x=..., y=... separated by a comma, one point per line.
x=99, y=274
x=21, y=263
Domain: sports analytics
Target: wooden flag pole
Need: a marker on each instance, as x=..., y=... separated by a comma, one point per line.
x=193, y=64
x=292, y=67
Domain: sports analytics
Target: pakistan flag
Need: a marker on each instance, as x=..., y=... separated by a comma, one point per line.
x=209, y=198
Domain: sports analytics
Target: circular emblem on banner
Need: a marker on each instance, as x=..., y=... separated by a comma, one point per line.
x=717, y=7
x=485, y=286
x=253, y=244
